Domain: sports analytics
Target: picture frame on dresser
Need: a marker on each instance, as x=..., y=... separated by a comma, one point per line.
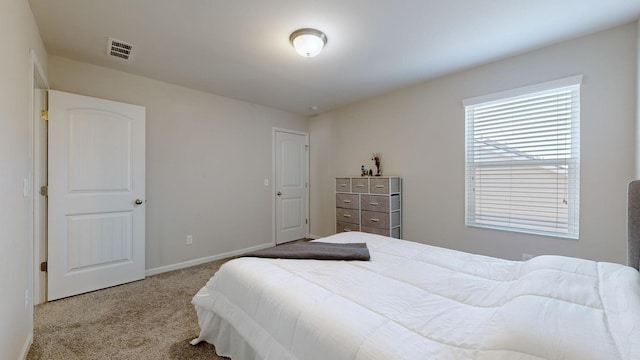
x=369, y=204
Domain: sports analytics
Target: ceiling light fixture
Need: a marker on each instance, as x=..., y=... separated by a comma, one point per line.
x=308, y=42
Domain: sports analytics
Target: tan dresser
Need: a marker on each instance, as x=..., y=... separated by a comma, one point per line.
x=369, y=204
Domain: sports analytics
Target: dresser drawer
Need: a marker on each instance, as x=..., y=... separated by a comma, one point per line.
x=394, y=202
x=375, y=219
x=343, y=185
x=380, y=220
x=385, y=185
x=346, y=227
x=380, y=186
x=360, y=185
x=375, y=203
x=347, y=201
x=377, y=231
x=347, y=215
x=394, y=233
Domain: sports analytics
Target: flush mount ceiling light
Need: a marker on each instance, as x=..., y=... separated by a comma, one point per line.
x=308, y=42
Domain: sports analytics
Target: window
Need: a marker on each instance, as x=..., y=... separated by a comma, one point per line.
x=523, y=159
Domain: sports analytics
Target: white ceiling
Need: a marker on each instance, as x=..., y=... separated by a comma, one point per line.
x=240, y=48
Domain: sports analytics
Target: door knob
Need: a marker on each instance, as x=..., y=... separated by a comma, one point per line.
x=279, y=193
x=138, y=202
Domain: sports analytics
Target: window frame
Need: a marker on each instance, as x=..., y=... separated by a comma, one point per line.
x=573, y=161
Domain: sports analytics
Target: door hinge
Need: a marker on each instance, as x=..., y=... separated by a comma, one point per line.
x=44, y=115
x=306, y=221
x=44, y=190
x=44, y=266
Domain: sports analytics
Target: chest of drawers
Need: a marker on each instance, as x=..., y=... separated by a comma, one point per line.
x=369, y=204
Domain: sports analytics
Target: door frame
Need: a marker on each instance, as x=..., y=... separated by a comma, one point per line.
x=38, y=80
x=274, y=225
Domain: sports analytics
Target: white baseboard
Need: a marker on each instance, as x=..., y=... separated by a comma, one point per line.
x=203, y=260
x=27, y=346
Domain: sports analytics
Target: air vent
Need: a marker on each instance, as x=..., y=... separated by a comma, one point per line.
x=119, y=49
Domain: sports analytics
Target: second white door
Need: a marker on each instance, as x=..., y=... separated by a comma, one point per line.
x=291, y=185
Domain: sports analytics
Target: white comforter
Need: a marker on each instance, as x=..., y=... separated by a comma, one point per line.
x=414, y=301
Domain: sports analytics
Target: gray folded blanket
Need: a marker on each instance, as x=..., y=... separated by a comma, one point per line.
x=314, y=250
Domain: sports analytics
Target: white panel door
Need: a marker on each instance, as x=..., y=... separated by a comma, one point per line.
x=291, y=163
x=96, y=194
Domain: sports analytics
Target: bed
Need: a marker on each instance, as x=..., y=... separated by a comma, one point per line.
x=415, y=301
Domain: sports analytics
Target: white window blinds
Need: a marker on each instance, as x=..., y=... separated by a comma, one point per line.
x=523, y=159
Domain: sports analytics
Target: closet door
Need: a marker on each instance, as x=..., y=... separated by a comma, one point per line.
x=291, y=186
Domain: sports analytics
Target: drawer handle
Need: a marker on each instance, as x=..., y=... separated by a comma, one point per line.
x=346, y=215
x=360, y=185
x=374, y=204
x=346, y=230
x=375, y=219
x=346, y=201
x=379, y=186
x=343, y=185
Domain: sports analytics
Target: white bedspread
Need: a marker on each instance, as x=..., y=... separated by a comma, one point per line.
x=414, y=301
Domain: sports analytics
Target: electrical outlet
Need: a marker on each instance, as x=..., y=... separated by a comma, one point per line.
x=526, y=257
x=189, y=239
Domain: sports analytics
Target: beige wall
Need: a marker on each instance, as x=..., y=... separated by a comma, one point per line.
x=420, y=132
x=18, y=34
x=207, y=157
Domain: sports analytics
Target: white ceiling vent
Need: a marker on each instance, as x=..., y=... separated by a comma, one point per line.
x=119, y=49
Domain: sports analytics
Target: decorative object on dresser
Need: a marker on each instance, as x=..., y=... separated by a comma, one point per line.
x=376, y=159
x=372, y=205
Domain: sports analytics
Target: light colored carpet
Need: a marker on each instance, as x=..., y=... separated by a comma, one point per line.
x=147, y=319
